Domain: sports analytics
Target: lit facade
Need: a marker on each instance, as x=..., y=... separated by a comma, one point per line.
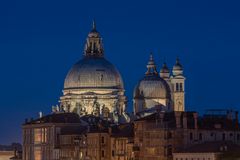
x=91, y=122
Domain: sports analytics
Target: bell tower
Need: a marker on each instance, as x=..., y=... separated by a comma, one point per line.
x=178, y=87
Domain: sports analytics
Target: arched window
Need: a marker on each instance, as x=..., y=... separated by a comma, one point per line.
x=177, y=87
x=94, y=46
x=181, y=87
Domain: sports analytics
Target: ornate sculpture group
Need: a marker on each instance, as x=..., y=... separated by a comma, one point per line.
x=98, y=110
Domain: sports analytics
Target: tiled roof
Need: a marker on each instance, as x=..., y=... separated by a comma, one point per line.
x=76, y=130
x=56, y=118
x=124, y=130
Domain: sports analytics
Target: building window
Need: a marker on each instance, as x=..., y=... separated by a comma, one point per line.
x=169, y=151
x=113, y=153
x=102, y=153
x=102, y=139
x=191, y=136
x=238, y=137
x=37, y=135
x=200, y=136
x=169, y=135
x=37, y=153
x=223, y=136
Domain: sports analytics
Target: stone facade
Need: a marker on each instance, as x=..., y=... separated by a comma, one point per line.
x=65, y=136
x=41, y=136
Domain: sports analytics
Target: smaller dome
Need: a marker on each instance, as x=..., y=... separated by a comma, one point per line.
x=152, y=87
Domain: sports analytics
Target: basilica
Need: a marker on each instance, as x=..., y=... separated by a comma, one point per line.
x=91, y=123
x=94, y=86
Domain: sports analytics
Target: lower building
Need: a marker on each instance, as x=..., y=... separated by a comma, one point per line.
x=217, y=150
x=161, y=134
x=65, y=136
x=158, y=136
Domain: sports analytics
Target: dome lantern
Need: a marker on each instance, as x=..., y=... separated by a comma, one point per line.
x=94, y=44
x=151, y=67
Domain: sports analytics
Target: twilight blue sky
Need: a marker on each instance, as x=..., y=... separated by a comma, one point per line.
x=41, y=40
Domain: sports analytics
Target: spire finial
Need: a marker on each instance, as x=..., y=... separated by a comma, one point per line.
x=151, y=56
x=177, y=60
x=93, y=25
x=164, y=61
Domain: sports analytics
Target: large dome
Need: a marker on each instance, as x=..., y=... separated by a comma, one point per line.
x=94, y=72
x=93, y=86
x=152, y=87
